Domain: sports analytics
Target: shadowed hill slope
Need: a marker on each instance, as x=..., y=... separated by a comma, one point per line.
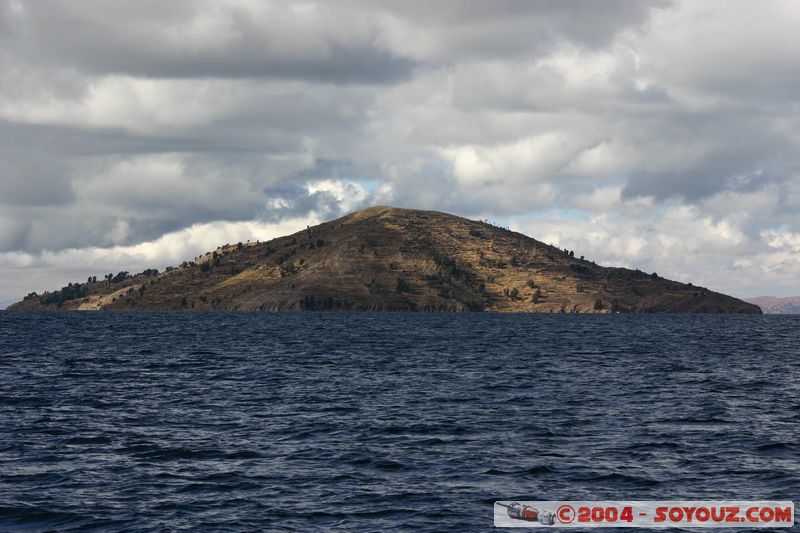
x=384, y=258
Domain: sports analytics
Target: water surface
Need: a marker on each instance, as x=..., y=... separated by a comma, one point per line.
x=372, y=422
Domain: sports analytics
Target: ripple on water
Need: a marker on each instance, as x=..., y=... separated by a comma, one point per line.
x=297, y=422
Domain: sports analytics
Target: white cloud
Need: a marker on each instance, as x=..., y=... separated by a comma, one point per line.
x=170, y=248
x=25, y=272
x=600, y=199
x=661, y=132
x=523, y=161
x=680, y=242
x=602, y=160
x=782, y=240
x=348, y=195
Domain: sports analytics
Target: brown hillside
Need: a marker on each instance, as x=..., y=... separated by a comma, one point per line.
x=384, y=258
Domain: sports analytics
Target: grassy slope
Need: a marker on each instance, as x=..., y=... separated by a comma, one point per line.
x=385, y=258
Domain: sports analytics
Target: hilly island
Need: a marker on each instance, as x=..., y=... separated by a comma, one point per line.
x=391, y=259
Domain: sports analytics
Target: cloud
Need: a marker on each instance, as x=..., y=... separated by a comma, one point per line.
x=665, y=130
x=205, y=39
x=51, y=270
x=678, y=242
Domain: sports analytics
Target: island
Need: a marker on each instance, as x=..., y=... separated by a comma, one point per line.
x=391, y=259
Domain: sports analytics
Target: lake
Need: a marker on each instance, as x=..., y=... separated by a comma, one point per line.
x=393, y=421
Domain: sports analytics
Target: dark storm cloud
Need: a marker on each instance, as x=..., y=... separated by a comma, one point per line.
x=35, y=171
x=297, y=201
x=123, y=121
x=742, y=152
x=512, y=28
x=202, y=40
x=348, y=42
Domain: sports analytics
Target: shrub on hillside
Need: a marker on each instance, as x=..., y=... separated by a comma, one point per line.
x=402, y=286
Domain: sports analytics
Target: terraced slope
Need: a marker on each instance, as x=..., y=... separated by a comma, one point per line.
x=385, y=258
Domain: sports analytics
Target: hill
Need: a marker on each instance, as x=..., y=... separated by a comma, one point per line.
x=771, y=305
x=384, y=258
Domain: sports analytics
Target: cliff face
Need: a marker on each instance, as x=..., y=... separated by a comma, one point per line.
x=384, y=258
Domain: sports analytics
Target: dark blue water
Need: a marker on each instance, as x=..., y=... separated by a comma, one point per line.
x=374, y=422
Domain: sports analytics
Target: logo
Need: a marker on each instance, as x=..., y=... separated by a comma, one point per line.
x=659, y=514
x=565, y=514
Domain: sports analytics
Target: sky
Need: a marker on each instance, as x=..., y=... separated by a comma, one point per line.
x=661, y=135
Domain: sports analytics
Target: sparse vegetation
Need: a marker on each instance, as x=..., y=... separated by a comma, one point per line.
x=447, y=266
x=72, y=291
x=288, y=269
x=120, y=277
x=402, y=286
x=285, y=256
x=424, y=256
x=581, y=270
x=536, y=295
